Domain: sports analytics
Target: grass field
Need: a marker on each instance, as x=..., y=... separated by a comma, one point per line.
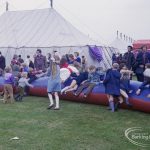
x=75, y=127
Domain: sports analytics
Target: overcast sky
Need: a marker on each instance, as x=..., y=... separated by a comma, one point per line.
x=99, y=19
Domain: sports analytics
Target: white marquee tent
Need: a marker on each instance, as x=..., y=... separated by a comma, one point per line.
x=22, y=32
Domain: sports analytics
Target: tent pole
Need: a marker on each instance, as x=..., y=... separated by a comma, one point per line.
x=7, y=6
x=51, y=3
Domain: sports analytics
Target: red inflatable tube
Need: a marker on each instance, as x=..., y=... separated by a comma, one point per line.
x=93, y=98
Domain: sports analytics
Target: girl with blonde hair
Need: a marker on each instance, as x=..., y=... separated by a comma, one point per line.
x=54, y=82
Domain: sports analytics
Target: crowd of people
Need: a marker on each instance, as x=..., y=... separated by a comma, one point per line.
x=21, y=73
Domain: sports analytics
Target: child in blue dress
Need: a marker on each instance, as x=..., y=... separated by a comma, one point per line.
x=54, y=82
x=112, y=84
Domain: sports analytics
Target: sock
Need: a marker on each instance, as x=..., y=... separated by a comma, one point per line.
x=57, y=101
x=50, y=99
x=112, y=106
x=127, y=102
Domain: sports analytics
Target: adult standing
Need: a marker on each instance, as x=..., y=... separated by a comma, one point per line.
x=40, y=61
x=2, y=62
x=29, y=62
x=15, y=61
x=142, y=58
x=20, y=60
x=129, y=58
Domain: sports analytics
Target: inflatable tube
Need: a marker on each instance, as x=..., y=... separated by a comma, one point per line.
x=64, y=74
x=73, y=69
x=98, y=96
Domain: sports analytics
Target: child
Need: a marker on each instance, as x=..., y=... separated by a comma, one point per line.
x=22, y=83
x=8, y=85
x=54, y=82
x=24, y=68
x=75, y=82
x=146, y=79
x=125, y=86
x=112, y=84
x=93, y=80
x=102, y=73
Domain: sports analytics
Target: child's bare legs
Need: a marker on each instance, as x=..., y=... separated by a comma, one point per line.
x=72, y=89
x=64, y=89
x=125, y=95
x=57, y=101
x=117, y=105
x=51, y=102
x=73, y=83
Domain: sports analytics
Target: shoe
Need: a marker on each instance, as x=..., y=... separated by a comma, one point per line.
x=75, y=94
x=17, y=97
x=108, y=108
x=129, y=105
x=2, y=94
x=130, y=92
x=117, y=105
x=51, y=106
x=20, y=98
x=56, y=108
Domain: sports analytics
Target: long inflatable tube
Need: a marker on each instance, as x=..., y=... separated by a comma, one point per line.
x=98, y=96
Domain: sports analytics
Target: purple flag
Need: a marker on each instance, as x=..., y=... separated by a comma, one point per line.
x=96, y=53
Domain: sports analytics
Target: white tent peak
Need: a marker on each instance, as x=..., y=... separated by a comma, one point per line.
x=39, y=28
x=120, y=44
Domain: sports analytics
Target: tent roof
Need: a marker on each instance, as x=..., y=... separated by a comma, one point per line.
x=39, y=28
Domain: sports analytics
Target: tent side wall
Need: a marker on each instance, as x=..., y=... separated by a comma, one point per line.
x=83, y=51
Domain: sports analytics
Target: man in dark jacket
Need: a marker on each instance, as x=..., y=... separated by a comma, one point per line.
x=40, y=61
x=2, y=62
x=129, y=58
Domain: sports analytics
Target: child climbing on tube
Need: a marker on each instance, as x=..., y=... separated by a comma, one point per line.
x=75, y=82
x=90, y=83
x=146, y=79
x=125, y=86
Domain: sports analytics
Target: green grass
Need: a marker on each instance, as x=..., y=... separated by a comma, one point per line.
x=75, y=127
